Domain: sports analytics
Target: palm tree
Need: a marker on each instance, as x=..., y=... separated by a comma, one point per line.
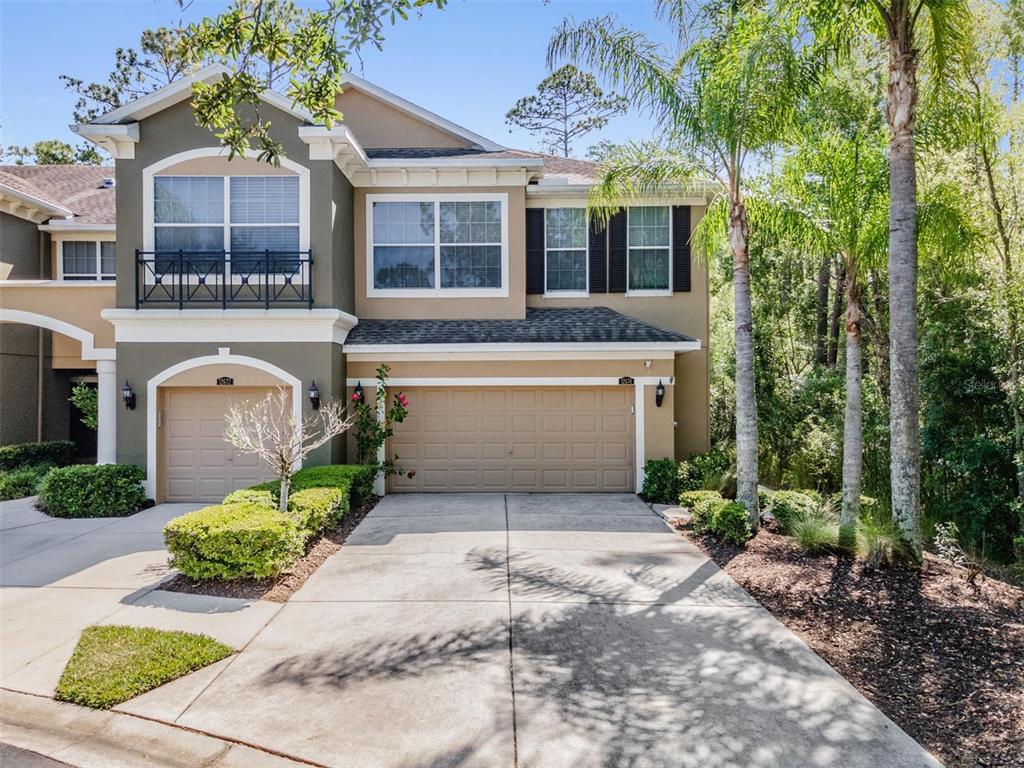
x=943, y=26
x=725, y=99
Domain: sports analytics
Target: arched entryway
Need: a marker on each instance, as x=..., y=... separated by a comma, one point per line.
x=187, y=458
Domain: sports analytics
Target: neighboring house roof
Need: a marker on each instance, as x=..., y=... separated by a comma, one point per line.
x=74, y=192
x=575, y=325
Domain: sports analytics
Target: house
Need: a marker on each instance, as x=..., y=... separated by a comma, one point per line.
x=540, y=351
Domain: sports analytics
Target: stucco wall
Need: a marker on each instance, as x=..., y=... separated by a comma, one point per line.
x=139, y=362
x=21, y=247
x=377, y=124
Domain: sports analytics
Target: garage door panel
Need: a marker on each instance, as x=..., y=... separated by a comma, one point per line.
x=518, y=439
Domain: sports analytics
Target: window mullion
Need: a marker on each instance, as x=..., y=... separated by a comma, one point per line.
x=99, y=269
x=437, y=245
x=226, y=236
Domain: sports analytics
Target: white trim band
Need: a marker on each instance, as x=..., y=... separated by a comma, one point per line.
x=229, y=325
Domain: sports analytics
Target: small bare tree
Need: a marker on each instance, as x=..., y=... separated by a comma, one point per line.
x=269, y=429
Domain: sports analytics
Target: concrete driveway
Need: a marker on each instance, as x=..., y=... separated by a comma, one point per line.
x=524, y=630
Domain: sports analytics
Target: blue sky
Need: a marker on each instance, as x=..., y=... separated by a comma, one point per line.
x=469, y=62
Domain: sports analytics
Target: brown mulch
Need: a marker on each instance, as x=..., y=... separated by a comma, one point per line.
x=279, y=588
x=941, y=657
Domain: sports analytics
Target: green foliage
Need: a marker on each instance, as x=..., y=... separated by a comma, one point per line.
x=817, y=532
x=702, y=505
x=21, y=482
x=86, y=399
x=731, y=523
x=878, y=541
x=86, y=490
x=315, y=509
x=662, y=483
x=56, y=453
x=371, y=433
x=53, y=152
x=112, y=664
x=358, y=478
x=568, y=105
x=233, y=541
x=789, y=506
x=264, y=498
x=704, y=471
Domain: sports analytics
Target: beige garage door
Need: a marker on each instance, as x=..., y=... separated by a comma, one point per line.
x=517, y=439
x=198, y=464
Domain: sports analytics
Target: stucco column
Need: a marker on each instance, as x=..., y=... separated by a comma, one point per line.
x=640, y=434
x=106, y=432
x=378, y=483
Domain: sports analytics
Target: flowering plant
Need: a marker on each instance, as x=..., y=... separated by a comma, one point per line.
x=371, y=432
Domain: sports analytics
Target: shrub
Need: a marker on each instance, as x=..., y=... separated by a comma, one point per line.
x=358, y=478
x=662, y=482
x=788, y=506
x=878, y=542
x=251, y=496
x=233, y=541
x=731, y=522
x=19, y=483
x=704, y=471
x=314, y=509
x=86, y=490
x=702, y=506
x=817, y=532
x=1018, y=548
x=56, y=453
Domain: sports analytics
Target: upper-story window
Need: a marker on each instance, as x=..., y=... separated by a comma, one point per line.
x=565, y=251
x=87, y=260
x=243, y=215
x=649, y=249
x=436, y=245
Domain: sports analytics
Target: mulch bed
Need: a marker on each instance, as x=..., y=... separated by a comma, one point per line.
x=941, y=657
x=279, y=588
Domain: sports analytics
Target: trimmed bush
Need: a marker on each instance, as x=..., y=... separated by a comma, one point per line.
x=55, y=453
x=22, y=482
x=315, y=509
x=731, y=523
x=86, y=490
x=233, y=541
x=788, y=506
x=251, y=496
x=661, y=481
x=702, y=506
x=356, y=477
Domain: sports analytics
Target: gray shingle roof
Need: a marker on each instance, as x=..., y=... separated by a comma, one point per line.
x=541, y=326
x=79, y=188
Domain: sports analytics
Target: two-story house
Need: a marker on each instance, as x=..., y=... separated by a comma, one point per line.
x=540, y=351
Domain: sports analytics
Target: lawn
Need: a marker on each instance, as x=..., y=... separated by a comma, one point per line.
x=112, y=664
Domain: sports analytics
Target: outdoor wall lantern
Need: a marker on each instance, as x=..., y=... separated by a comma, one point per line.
x=314, y=395
x=659, y=393
x=128, y=395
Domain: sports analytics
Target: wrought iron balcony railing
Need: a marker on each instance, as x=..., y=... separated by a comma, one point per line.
x=226, y=279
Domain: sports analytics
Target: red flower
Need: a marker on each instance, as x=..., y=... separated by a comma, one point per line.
x=412, y=474
x=355, y=396
x=403, y=400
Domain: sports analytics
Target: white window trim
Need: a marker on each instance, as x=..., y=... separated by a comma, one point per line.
x=629, y=249
x=437, y=291
x=97, y=275
x=585, y=293
x=149, y=204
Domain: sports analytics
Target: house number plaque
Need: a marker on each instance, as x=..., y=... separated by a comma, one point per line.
x=225, y=381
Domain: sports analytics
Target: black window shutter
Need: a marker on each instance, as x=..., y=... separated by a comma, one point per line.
x=681, y=248
x=597, y=241
x=535, y=250
x=617, y=253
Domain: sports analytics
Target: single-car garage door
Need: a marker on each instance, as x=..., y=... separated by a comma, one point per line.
x=516, y=439
x=198, y=463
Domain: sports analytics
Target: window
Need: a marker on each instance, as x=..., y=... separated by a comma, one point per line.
x=454, y=244
x=649, y=255
x=565, y=250
x=246, y=216
x=87, y=260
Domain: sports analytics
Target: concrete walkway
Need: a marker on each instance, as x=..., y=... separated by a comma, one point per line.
x=526, y=630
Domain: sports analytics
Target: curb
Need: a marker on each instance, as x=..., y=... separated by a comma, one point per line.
x=86, y=737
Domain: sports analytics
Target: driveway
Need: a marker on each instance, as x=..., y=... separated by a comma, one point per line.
x=528, y=630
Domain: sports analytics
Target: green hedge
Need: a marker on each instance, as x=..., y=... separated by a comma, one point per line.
x=661, y=481
x=86, y=490
x=251, y=496
x=315, y=509
x=731, y=523
x=233, y=541
x=702, y=506
x=22, y=482
x=56, y=453
x=787, y=507
x=356, y=477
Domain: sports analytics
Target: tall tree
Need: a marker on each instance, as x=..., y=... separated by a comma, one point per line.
x=717, y=111
x=53, y=152
x=908, y=26
x=568, y=105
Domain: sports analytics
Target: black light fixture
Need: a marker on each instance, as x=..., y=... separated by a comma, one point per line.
x=314, y=395
x=659, y=393
x=128, y=395
x=357, y=394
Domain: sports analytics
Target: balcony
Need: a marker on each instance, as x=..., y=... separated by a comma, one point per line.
x=223, y=279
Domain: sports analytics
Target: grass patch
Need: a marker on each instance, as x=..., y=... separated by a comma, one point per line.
x=112, y=664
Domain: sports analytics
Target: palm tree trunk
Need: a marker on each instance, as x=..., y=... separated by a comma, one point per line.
x=879, y=336
x=905, y=431
x=853, y=433
x=746, y=401
x=821, y=310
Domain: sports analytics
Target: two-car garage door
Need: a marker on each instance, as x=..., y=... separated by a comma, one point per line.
x=518, y=438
